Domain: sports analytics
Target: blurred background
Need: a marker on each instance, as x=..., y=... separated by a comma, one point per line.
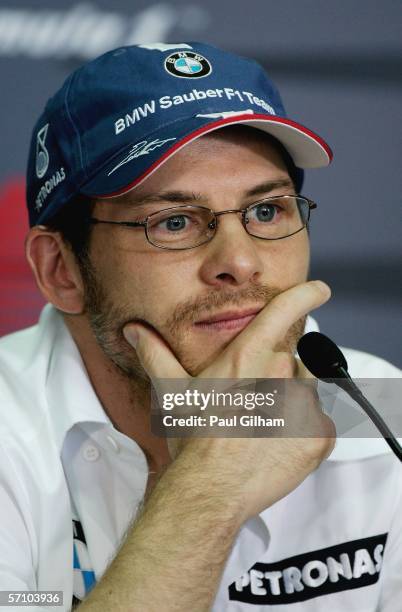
x=338, y=66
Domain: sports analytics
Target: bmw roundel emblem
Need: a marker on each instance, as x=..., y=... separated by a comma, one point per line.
x=188, y=65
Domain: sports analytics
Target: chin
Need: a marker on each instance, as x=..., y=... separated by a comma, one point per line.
x=195, y=361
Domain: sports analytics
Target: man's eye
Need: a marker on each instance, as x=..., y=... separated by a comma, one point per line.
x=264, y=213
x=174, y=224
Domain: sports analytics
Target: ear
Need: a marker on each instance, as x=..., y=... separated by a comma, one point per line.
x=55, y=269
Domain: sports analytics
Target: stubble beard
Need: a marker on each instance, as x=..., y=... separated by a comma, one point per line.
x=107, y=321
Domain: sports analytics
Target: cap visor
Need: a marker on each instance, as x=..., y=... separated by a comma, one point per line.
x=137, y=161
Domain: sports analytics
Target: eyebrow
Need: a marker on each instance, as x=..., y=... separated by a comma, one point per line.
x=268, y=186
x=184, y=197
x=175, y=197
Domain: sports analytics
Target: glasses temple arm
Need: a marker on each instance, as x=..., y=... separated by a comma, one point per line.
x=95, y=221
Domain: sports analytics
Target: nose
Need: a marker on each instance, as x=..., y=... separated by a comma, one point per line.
x=232, y=257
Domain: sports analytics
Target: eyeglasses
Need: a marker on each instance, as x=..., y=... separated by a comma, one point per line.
x=187, y=226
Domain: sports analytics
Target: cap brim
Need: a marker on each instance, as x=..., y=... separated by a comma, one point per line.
x=138, y=160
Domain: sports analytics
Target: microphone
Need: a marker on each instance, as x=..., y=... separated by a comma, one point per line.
x=325, y=360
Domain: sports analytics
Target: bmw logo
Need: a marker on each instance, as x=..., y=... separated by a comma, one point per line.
x=188, y=65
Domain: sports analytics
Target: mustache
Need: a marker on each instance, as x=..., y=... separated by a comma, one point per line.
x=193, y=309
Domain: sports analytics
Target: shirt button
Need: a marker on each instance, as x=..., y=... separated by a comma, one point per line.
x=113, y=444
x=91, y=453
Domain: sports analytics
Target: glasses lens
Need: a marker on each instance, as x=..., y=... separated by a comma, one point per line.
x=181, y=227
x=277, y=217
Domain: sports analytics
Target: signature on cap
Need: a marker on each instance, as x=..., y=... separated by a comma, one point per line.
x=141, y=148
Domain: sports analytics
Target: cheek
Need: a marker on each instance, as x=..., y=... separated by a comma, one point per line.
x=149, y=283
x=287, y=261
x=162, y=281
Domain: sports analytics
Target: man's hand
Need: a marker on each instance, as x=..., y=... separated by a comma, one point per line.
x=255, y=473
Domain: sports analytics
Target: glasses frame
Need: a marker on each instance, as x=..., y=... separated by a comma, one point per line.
x=214, y=223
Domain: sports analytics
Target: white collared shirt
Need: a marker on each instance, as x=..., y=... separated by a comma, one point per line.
x=319, y=548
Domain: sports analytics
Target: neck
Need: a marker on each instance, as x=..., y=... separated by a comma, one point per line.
x=125, y=400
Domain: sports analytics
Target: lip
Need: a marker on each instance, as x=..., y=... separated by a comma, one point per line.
x=229, y=315
x=230, y=319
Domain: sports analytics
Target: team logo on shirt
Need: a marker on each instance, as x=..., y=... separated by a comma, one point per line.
x=188, y=65
x=83, y=577
x=350, y=565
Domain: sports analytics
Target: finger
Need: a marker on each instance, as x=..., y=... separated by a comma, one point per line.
x=154, y=354
x=271, y=325
x=173, y=447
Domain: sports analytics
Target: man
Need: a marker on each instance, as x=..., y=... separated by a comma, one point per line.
x=170, y=240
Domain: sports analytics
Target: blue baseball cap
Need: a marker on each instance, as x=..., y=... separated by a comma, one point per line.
x=118, y=118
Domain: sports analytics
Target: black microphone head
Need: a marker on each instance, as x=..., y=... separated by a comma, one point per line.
x=321, y=356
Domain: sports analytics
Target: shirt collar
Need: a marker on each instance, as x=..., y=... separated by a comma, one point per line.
x=311, y=325
x=69, y=392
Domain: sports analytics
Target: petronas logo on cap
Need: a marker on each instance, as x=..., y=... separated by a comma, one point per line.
x=42, y=154
x=188, y=65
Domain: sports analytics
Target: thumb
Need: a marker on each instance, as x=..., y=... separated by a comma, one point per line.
x=155, y=356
